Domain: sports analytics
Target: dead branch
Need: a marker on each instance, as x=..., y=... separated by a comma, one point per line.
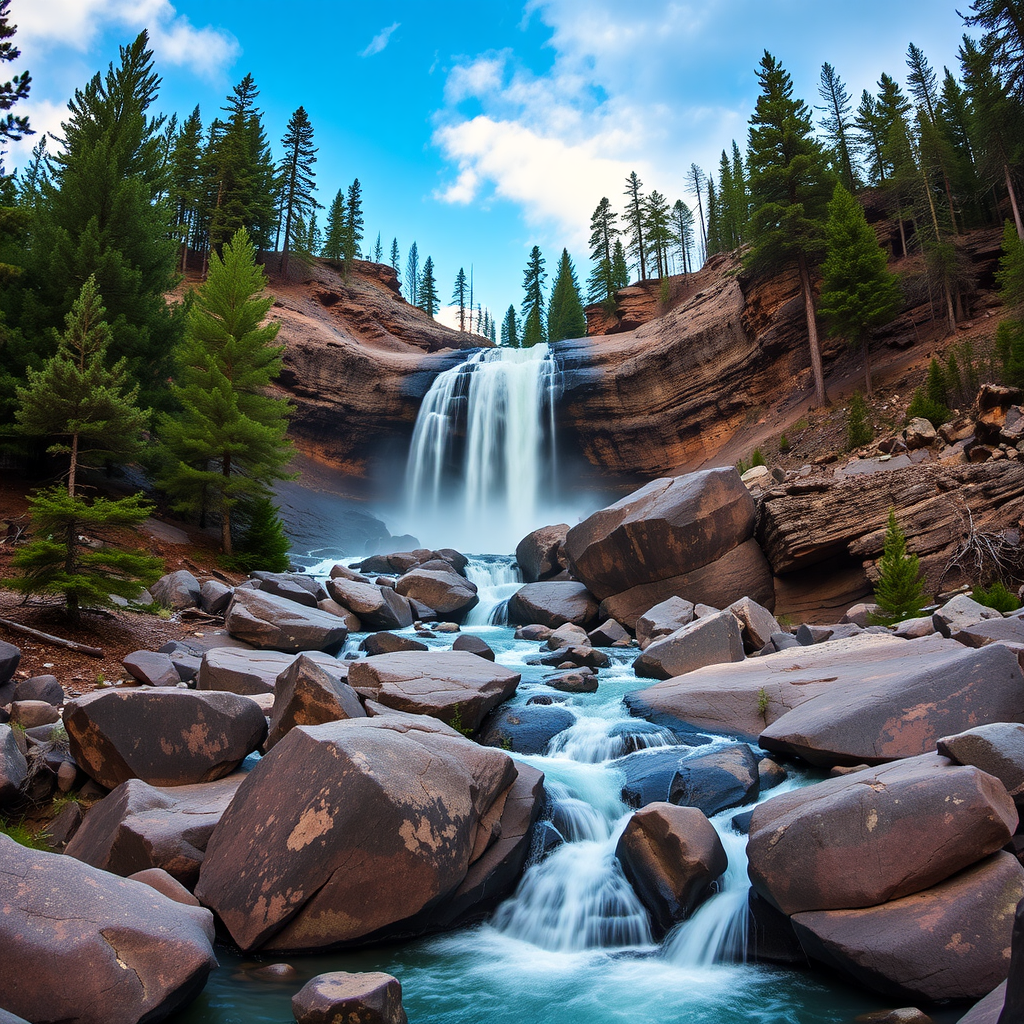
x=37, y=634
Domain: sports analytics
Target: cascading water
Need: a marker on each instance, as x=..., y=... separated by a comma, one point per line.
x=497, y=578
x=483, y=450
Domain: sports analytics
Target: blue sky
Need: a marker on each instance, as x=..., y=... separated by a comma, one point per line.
x=481, y=129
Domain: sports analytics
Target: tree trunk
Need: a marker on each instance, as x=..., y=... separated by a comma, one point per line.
x=867, y=365
x=1013, y=201
x=950, y=314
x=73, y=470
x=820, y=396
x=225, y=519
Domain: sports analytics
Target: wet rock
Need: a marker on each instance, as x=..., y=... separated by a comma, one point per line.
x=214, y=596
x=265, y=621
x=13, y=766
x=345, y=832
x=567, y=635
x=662, y=619
x=306, y=694
x=537, y=552
x=770, y=934
x=636, y=734
x=177, y=590
x=454, y=686
x=474, y=645
x=446, y=592
x=190, y=736
x=133, y=954
x=152, y=668
x=608, y=633
x=853, y=723
x=533, y=632
x=553, y=604
x=32, y=713
x=997, y=749
x=876, y=835
x=770, y=774
x=707, y=641
x=948, y=942
x=44, y=688
x=525, y=730
x=138, y=826
x=389, y=643
x=671, y=856
x=959, y=613
x=582, y=681
x=339, y=996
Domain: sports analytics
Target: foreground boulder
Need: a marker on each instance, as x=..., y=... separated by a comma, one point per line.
x=352, y=831
x=139, y=826
x=997, y=749
x=371, y=998
x=166, y=737
x=269, y=622
x=239, y=670
x=553, y=604
x=671, y=856
x=707, y=641
x=948, y=942
x=306, y=694
x=455, y=686
x=876, y=835
x=446, y=592
x=82, y=946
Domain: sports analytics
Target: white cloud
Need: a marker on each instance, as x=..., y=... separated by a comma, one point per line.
x=379, y=41
x=76, y=23
x=45, y=117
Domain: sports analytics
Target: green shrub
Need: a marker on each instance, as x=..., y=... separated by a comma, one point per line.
x=899, y=592
x=937, y=387
x=23, y=835
x=263, y=544
x=757, y=458
x=858, y=425
x=921, y=405
x=997, y=596
x=783, y=443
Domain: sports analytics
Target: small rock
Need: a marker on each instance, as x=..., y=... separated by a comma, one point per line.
x=177, y=590
x=371, y=998
x=30, y=713
x=473, y=644
x=152, y=667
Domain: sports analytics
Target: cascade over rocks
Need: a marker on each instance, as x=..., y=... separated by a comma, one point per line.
x=266, y=621
x=553, y=604
x=525, y=730
x=83, y=946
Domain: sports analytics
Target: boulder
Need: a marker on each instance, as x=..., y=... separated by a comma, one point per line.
x=269, y=580
x=351, y=620
x=290, y=591
x=583, y=680
x=371, y=998
x=133, y=954
x=346, y=831
x=608, y=633
x=454, y=686
x=1013, y=1009
x=32, y=713
x=919, y=433
x=265, y=621
x=474, y=645
x=389, y=643
x=13, y=766
x=157, y=878
x=215, y=596
x=741, y=699
x=948, y=942
x=876, y=835
x=177, y=590
x=249, y=673
x=553, y=604
x=152, y=668
x=989, y=1009
x=306, y=694
x=997, y=748
x=990, y=631
x=537, y=553
x=138, y=826
x=662, y=619
x=861, y=613
x=10, y=656
x=45, y=688
x=166, y=737
x=857, y=720
x=377, y=607
x=914, y=629
x=709, y=641
x=567, y=635
x=671, y=856
x=525, y=730
x=447, y=593
x=961, y=612
x=758, y=624
x=343, y=572
x=667, y=528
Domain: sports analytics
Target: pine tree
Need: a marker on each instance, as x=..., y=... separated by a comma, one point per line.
x=899, y=592
x=334, y=240
x=858, y=424
x=1010, y=333
x=789, y=188
x=657, y=221
x=228, y=442
x=378, y=252
x=13, y=127
x=412, y=277
x=837, y=123
x=620, y=269
x=186, y=182
x=566, y=318
x=459, y=297
x=297, y=176
x=427, y=291
x=1003, y=22
x=533, y=302
x=858, y=292
x=262, y=544
x=603, y=233
x=396, y=256
x=635, y=219
x=682, y=221
x=89, y=408
x=698, y=179
x=510, y=329
x=353, y=233
x=871, y=136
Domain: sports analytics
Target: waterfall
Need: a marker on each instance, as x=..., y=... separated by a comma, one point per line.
x=483, y=450
x=496, y=579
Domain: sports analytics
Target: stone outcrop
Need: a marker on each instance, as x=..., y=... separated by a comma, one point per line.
x=276, y=623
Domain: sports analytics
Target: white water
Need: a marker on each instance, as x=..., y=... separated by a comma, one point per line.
x=496, y=579
x=483, y=457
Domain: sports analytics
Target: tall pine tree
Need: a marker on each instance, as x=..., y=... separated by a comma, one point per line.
x=334, y=239
x=565, y=310
x=533, y=301
x=603, y=233
x=427, y=290
x=635, y=220
x=298, y=179
x=459, y=297
x=510, y=329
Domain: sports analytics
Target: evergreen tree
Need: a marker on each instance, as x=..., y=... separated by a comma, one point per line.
x=858, y=423
x=378, y=251
x=565, y=310
x=789, y=187
x=697, y=178
x=297, y=176
x=603, y=233
x=871, y=136
x=858, y=293
x=533, y=302
x=412, y=277
x=510, y=329
x=353, y=233
x=657, y=226
x=1003, y=23
x=427, y=291
x=714, y=242
x=635, y=220
x=396, y=256
x=1010, y=333
x=334, y=239
x=89, y=408
x=186, y=182
x=493, y=333
x=13, y=127
x=620, y=270
x=682, y=221
x=228, y=442
x=459, y=297
x=899, y=592
x=837, y=123
x=262, y=544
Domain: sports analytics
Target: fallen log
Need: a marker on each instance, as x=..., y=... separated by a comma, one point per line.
x=37, y=634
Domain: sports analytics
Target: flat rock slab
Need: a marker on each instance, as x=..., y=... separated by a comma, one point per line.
x=138, y=826
x=990, y=631
x=868, y=719
x=345, y=831
x=446, y=592
x=741, y=699
x=248, y=672
x=712, y=640
x=275, y=623
x=876, y=835
x=166, y=737
x=371, y=998
x=132, y=953
x=553, y=603
x=455, y=686
x=948, y=942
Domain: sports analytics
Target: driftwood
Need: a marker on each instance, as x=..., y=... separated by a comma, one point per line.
x=46, y=638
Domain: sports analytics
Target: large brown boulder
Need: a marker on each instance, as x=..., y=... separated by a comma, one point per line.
x=166, y=737
x=346, y=831
x=671, y=856
x=377, y=607
x=83, y=946
x=948, y=942
x=553, y=604
x=372, y=998
x=537, y=553
x=710, y=640
x=858, y=721
x=139, y=826
x=239, y=670
x=666, y=528
x=664, y=618
x=306, y=694
x=275, y=623
x=455, y=686
x=876, y=835
x=446, y=592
